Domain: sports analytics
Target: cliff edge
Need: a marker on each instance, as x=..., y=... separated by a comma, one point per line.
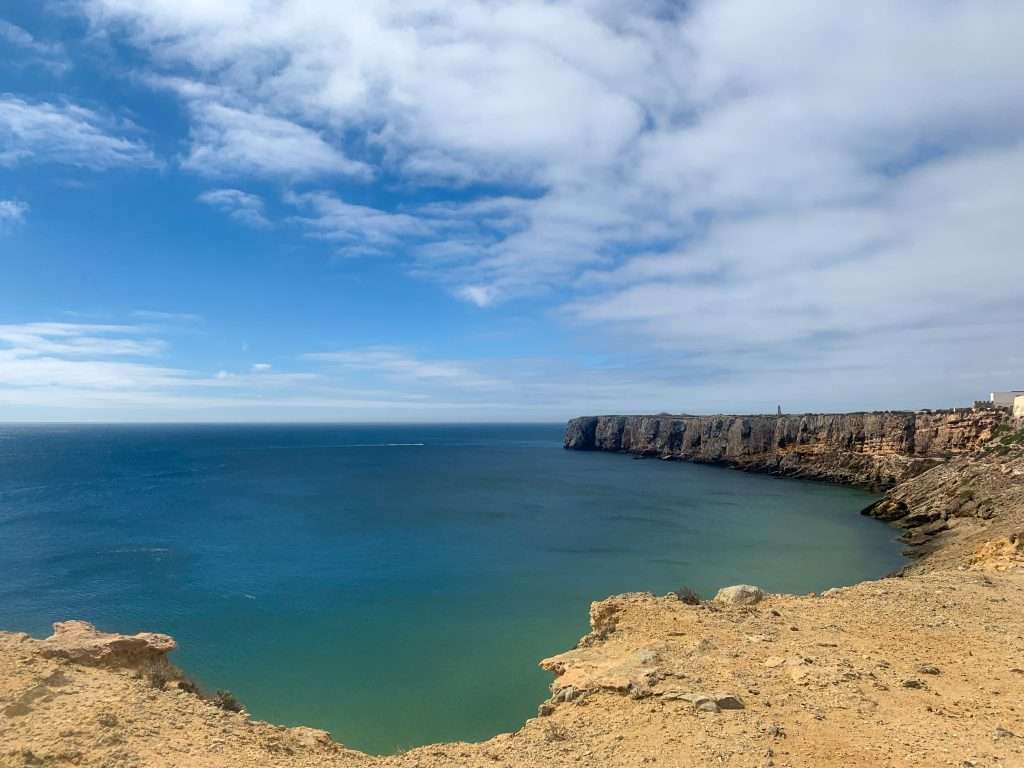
x=874, y=450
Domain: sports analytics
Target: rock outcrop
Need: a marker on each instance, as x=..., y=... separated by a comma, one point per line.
x=81, y=643
x=874, y=450
x=968, y=489
x=741, y=594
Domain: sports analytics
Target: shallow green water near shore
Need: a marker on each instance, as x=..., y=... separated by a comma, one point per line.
x=394, y=585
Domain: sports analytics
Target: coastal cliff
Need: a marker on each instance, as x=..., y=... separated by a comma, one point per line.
x=874, y=450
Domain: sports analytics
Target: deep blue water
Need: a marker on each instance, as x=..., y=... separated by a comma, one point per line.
x=395, y=585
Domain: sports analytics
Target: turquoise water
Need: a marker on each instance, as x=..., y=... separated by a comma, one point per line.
x=395, y=585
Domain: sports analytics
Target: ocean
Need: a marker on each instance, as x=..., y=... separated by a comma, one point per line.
x=395, y=585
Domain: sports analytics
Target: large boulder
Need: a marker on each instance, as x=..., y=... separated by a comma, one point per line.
x=81, y=643
x=740, y=594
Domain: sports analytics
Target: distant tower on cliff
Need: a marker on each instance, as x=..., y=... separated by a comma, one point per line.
x=779, y=411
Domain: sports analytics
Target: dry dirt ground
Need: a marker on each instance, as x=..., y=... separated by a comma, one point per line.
x=925, y=669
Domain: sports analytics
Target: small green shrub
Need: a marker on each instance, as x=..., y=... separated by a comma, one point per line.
x=687, y=595
x=555, y=732
x=1003, y=439
x=159, y=672
x=1014, y=438
x=226, y=700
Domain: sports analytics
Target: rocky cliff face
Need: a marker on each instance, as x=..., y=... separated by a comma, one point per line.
x=971, y=487
x=875, y=450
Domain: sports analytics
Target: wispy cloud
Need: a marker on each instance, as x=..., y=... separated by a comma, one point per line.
x=446, y=241
x=357, y=229
x=231, y=141
x=120, y=372
x=12, y=212
x=80, y=367
x=243, y=207
x=69, y=134
x=399, y=363
x=63, y=364
x=28, y=340
x=159, y=316
x=48, y=55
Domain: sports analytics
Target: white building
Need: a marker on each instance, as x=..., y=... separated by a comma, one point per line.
x=1018, y=407
x=1005, y=399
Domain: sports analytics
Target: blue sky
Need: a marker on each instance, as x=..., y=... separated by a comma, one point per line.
x=415, y=211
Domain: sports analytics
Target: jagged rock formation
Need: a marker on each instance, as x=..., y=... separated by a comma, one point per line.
x=968, y=489
x=875, y=450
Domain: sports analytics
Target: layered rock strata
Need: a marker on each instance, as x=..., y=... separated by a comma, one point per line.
x=967, y=493
x=874, y=450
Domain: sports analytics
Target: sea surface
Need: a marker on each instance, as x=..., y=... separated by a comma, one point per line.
x=395, y=585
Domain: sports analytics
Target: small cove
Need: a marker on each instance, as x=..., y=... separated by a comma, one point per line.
x=395, y=585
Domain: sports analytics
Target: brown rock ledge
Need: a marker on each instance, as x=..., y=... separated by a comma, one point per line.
x=872, y=449
x=82, y=643
x=926, y=669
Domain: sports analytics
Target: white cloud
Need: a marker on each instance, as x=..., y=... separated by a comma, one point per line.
x=399, y=363
x=901, y=254
x=12, y=212
x=50, y=56
x=119, y=372
x=64, y=364
x=802, y=185
x=451, y=242
x=460, y=78
x=69, y=134
x=159, y=316
x=230, y=141
x=241, y=206
x=79, y=368
x=359, y=229
x=481, y=295
x=27, y=340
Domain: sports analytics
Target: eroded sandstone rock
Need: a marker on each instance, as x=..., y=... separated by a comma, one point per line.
x=590, y=669
x=81, y=643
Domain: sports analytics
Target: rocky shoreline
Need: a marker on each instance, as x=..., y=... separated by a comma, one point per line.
x=925, y=669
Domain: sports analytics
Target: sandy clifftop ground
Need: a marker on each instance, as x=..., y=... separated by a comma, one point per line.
x=925, y=669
